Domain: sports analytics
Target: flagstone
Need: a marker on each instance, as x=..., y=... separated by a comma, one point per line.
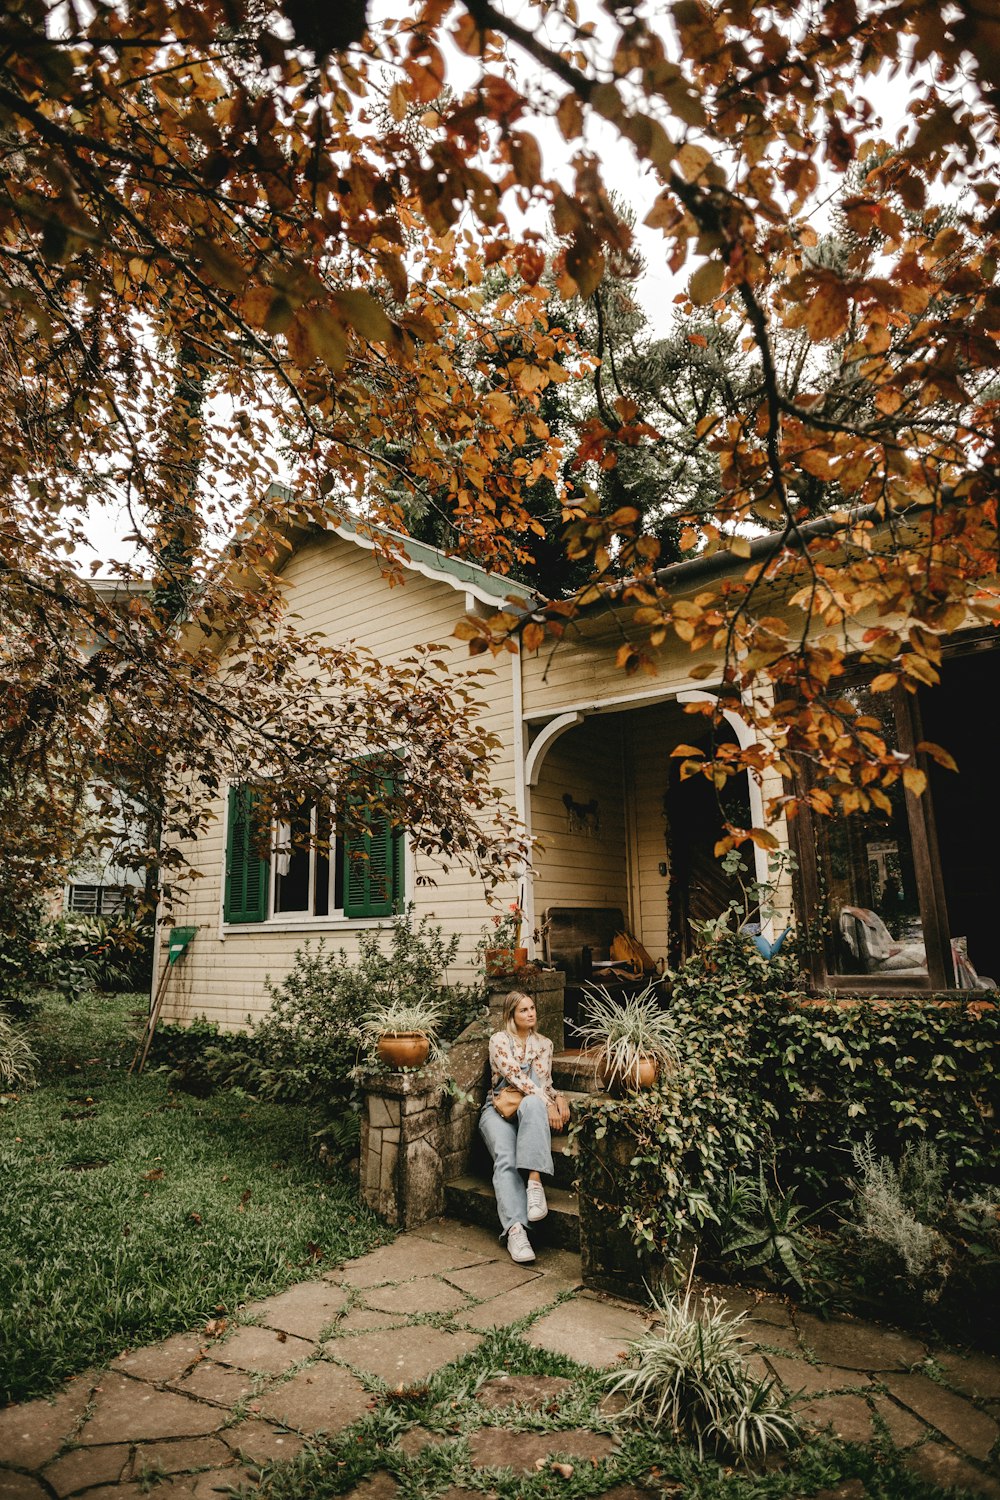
x=163, y=1362
x=942, y=1466
x=321, y=1398
x=416, y=1439
x=133, y=1490
x=757, y=1305
x=858, y=1346
x=492, y=1279
x=425, y=1295
x=849, y=1417
x=34, y=1432
x=83, y=1467
x=592, y=1332
x=262, y=1349
x=406, y=1257
x=511, y=1307
x=178, y=1456
x=20, y=1487
x=127, y=1410
x=360, y=1319
x=974, y=1374
x=533, y=1391
x=305, y=1310
x=404, y=1356
x=467, y=1236
x=799, y=1375
x=496, y=1448
x=903, y=1427
x=219, y=1383
x=953, y=1415
x=377, y=1486
x=771, y=1336
x=261, y=1442
x=628, y=1492
x=212, y=1484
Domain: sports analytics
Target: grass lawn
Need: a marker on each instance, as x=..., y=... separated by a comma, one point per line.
x=131, y=1212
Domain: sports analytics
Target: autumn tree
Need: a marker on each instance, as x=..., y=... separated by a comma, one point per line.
x=203, y=181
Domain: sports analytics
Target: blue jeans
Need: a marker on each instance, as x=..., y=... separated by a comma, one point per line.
x=519, y=1145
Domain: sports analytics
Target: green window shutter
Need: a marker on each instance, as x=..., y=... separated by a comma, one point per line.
x=373, y=870
x=246, y=872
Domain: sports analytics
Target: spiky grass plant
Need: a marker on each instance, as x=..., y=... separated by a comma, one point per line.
x=625, y=1029
x=17, y=1060
x=692, y=1377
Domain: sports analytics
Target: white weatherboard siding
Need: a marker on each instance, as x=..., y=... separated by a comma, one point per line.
x=336, y=589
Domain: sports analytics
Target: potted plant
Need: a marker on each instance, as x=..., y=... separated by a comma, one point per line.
x=633, y=1037
x=500, y=943
x=404, y=1029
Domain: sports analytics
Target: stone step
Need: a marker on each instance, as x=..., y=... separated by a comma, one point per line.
x=576, y=1069
x=471, y=1200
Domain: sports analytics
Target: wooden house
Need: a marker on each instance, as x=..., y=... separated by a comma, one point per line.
x=896, y=903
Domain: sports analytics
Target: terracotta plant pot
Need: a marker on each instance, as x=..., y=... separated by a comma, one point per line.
x=618, y=1084
x=403, y=1049
x=505, y=960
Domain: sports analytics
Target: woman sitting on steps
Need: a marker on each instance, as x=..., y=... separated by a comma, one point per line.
x=522, y=1060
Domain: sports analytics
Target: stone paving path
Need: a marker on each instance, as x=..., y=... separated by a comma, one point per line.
x=204, y=1414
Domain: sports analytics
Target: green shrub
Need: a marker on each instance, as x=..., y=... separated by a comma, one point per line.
x=306, y=1049
x=765, y=1072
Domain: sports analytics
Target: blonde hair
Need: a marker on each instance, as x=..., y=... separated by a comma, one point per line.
x=510, y=1004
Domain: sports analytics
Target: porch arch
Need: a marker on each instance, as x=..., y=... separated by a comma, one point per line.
x=546, y=739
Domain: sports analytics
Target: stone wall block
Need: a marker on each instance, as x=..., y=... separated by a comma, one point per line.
x=379, y=1112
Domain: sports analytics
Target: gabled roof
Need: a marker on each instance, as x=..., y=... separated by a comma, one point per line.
x=457, y=572
x=418, y=557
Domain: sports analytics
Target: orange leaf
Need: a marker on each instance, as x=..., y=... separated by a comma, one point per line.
x=938, y=753
x=914, y=780
x=827, y=313
x=706, y=283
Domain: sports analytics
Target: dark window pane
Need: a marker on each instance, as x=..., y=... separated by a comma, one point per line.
x=291, y=881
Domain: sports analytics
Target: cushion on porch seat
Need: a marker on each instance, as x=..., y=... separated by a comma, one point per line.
x=869, y=940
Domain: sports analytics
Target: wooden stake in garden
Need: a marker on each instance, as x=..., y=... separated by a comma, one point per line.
x=180, y=940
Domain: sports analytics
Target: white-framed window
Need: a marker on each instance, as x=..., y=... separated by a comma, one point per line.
x=311, y=869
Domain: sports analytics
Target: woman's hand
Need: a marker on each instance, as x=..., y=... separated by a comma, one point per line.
x=558, y=1113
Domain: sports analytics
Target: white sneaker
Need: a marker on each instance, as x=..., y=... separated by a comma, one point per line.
x=518, y=1244
x=537, y=1206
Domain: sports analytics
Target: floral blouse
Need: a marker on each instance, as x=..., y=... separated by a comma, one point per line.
x=507, y=1059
